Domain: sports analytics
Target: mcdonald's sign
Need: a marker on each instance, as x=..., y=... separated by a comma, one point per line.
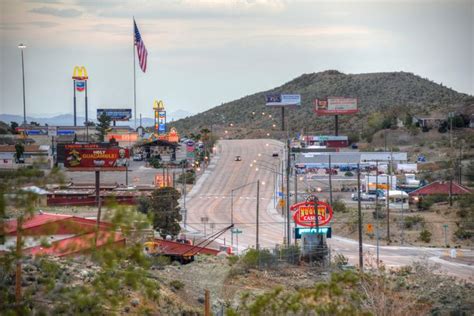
x=158, y=105
x=80, y=73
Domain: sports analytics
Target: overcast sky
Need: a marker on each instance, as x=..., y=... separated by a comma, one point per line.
x=203, y=53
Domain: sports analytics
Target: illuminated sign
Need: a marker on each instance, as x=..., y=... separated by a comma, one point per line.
x=96, y=158
x=335, y=106
x=283, y=99
x=162, y=121
x=299, y=231
x=80, y=73
x=162, y=181
x=131, y=137
x=305, y=213
x=116, y=114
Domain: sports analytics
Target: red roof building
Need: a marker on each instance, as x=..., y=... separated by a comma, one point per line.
x=441, y=187
x=65, y=235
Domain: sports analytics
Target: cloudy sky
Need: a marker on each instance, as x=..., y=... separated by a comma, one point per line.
x=205, y=52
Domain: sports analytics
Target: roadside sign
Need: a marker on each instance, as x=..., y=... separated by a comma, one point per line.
x=323, y=230
x=236, y=231
x=370, y=228
x=52, y=131
x=281, y=203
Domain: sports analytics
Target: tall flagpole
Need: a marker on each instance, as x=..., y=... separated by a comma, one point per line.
x=134, y=78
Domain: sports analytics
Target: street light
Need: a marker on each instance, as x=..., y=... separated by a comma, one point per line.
x=22, y=46
x=257, y=245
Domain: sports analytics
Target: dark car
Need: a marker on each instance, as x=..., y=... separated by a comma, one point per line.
x=238, y=158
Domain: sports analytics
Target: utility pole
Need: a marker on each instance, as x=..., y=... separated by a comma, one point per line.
x=22, y=47
x=282, y=118
x=232, y=219
x=359, y=209
x=377, y=208
x=288, y=237
x=330, y=179
x=257, y=244
x=296, y=186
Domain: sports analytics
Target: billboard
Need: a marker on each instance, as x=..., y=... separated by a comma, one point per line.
x=335, y=106
x=116, y=114
x=84, y=159
x=283, y=99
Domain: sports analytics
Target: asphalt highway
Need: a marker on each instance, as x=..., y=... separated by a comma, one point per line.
x=209, y=210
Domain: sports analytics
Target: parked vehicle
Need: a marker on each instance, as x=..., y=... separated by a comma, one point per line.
x=331, y=171
x=367, y=197
x=137, y=157
x=238, y=158
x=275, y=154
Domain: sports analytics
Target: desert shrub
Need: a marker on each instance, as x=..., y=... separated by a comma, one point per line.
x=339, y=206
x=412, y=221
x=425, y=236
x=232, y=260
x=463, y=234
x=177, y=285
x=254, y=258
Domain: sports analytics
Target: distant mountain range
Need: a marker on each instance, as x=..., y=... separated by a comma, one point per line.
x=389, y=93
x=68, y=119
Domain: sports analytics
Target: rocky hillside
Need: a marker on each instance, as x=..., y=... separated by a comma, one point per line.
x=376, y=92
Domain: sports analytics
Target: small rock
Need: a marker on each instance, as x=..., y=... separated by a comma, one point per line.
x=135, y=302
x=127, y=309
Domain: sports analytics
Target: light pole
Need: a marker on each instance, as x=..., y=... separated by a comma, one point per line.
x=257, y=246
x=22, y=46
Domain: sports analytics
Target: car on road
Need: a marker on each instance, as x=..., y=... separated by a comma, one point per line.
x=331, y=171
x=137, y=157
x=275, y=154
x=238, y=158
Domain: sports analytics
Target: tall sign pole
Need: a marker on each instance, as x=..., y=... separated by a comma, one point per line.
x=359, y=210
x=288, y=232
x=74, y=90
x=86, y=110
x=80, y=77
x=134, y=76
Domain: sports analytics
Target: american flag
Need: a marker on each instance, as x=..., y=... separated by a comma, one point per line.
x=141, y=49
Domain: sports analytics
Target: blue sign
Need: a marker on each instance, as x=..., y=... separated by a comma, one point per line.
x=80, y=85
x=323, y=230
x=34, y=132
x=280, y=194
x=66, y=132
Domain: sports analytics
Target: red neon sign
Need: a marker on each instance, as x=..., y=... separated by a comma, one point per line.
x=305, y=214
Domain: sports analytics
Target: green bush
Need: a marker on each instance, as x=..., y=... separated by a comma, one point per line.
x=339, y=206
x=425, y=236
x=411, y=221
x=190, y=177
x=155, y=163
x=177, y=285
x=463, y=234
x=348, y=174
x=257, y=258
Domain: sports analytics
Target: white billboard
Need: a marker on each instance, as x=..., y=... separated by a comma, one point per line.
x=283, y=99
x=336, y=106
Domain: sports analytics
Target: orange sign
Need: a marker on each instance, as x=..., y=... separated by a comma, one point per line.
x=131, y=137
x=370, y=228
x=163, y=181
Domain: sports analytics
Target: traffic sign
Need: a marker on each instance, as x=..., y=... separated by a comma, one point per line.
x=281, y=203
x=370, y=228
x=236, y=231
